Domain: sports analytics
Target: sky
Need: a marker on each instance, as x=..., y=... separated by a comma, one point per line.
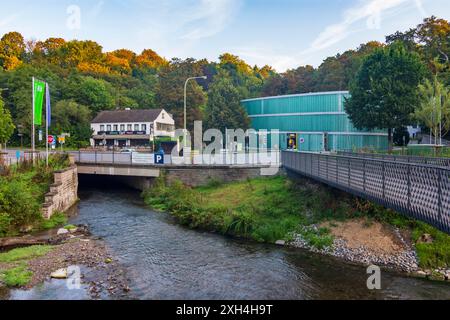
x=282, y=33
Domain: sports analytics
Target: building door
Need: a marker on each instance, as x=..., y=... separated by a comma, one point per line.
x=122, y=143
x=292, y=141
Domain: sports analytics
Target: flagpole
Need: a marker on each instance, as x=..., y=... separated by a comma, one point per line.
x=46, y=120
x=33, y=145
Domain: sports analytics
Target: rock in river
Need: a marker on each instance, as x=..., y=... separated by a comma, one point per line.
x=60, y=274
x=62, y=231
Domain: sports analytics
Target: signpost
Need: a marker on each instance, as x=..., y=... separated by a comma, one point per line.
x=159, y=157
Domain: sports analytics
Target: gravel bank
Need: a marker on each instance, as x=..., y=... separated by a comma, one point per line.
x=368, y=245
x=104, y=276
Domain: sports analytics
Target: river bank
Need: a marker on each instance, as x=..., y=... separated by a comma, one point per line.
x=100, y=275
x=310, y=216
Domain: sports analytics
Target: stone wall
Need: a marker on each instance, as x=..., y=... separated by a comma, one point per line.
x=63, y=193
x=200, y=176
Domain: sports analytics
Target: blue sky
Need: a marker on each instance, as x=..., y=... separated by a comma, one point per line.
x=281, y=33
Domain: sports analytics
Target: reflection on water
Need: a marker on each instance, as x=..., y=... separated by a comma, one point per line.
x=166, y=261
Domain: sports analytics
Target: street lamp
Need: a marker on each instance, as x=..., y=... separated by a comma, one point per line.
x=185, y=98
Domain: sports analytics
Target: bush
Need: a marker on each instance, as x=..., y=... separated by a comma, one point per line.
x=401, y=137
x=22, y=194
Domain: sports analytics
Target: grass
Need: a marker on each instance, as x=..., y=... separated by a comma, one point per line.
x=16, y=277
x=19, y=275
x=432, y=255
x=57, y=220
x=271, y=209
x=264, y=210
x=24, y=254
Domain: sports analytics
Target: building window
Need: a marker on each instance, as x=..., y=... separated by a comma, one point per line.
x=108, y=127
x=122, y=127
x=165, y=127
x=116, y=127
x=129, y=127
x=102, y=127
x=163, y=115
x=136, y=127
x=144, y=127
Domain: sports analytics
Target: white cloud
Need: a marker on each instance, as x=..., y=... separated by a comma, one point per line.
x=261, y=57
x=97, y=9
x=8, y=20
x=209, y=17
x=369, y=10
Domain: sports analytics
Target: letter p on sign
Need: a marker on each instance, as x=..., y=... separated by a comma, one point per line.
x=159, y=158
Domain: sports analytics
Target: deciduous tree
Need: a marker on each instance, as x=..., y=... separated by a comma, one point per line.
x=384, y=93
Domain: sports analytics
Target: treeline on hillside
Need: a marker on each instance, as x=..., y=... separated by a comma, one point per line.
x=85, y=80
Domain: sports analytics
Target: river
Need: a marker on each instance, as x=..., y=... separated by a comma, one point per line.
x=166, y=261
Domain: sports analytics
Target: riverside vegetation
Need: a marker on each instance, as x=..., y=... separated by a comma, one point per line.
x=22, y=192
x=277, y=208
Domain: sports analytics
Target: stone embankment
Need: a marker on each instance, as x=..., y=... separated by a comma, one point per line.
x=63, y=192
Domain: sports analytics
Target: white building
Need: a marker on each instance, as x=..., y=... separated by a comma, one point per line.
x=131, y=128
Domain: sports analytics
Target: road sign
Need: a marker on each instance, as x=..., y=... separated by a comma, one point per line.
x=159, y=158
x=40, y=135
x=51, y=140
x=62, y=139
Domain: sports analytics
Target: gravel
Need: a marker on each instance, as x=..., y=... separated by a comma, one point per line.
x=405, y=261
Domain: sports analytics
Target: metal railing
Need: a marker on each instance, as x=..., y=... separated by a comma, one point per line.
x=442, y=162
x=419, y=191
x=195, y=159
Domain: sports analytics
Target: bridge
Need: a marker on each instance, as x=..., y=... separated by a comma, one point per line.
x=140, y=169
x=404, y=184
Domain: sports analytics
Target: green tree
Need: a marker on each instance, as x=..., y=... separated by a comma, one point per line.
x=70, y=117
x=12, y=49
x=384, y=92
x=170, y=92
x=95, y=93
x=6, y=124
x=224, y=108
x=434, y=108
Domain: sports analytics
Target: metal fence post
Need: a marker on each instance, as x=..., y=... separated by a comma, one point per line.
x=349, y=172
x=409, y=188
x=364, y=174
x=337, y=169
x=327, y=157
x=384, y=180
x=441, y=220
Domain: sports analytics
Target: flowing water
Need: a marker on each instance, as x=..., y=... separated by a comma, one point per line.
x=167, y=261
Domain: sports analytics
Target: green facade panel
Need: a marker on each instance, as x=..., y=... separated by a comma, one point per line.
x=316, y=119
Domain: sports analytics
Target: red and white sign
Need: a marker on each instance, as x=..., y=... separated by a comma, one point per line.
x=51, y=139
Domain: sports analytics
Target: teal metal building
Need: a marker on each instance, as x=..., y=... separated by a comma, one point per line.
x=312, y=122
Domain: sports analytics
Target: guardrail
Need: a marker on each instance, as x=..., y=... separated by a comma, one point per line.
x=142, y=159
x=442, y=162
x=419, y=191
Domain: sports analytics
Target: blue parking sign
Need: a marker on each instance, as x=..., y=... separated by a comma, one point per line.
x=159, y=158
